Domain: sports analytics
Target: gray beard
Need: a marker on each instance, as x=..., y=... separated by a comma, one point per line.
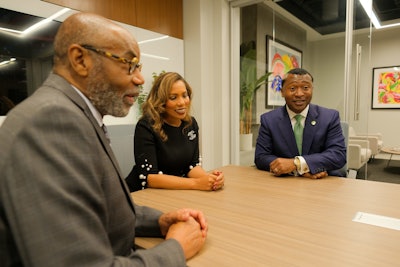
x=102, y=94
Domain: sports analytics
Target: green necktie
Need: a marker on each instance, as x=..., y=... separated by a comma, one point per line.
x=298, y=132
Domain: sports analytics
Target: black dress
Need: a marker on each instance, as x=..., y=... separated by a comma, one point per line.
x=177, y=156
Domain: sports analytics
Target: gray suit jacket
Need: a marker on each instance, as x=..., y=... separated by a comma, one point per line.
x=63, y=200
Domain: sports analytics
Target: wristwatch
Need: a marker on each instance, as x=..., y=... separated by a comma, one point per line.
x=297, y=163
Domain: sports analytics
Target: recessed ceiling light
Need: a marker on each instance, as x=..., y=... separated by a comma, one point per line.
x=37, y=25
x=7, y=61
x=154, y=39
x=367, y=5
x=154, y=56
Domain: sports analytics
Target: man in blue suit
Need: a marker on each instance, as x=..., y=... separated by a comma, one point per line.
x=322, y=149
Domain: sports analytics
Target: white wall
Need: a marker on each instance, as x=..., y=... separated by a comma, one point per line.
x=2, y=118
x=328, y=63
x=327, y=66
x=207, y=68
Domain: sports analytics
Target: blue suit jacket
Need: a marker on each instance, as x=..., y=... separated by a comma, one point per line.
x=323, y=141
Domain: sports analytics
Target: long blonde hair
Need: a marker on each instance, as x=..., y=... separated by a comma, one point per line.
x=154, y=106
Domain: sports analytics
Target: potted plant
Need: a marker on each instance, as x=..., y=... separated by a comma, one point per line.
x=141, y=99
x=143, y=93
x=249, y=84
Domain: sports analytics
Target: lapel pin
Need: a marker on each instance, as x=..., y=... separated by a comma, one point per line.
x=313, y=123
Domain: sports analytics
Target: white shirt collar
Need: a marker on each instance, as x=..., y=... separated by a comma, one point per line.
x=303, y=113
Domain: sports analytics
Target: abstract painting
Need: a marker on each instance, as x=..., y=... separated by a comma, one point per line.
x=281, y=58
x=386, y=87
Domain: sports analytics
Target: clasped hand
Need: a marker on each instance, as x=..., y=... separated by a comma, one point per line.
x=210, y=181
x=217, y=180
x=282, y=166
x=189, y=227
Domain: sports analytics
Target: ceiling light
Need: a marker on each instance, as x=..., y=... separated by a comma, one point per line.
x=367, y=5
x=390, y=25
x=47, y=20
x=154, y=39
x=37, y=25
x=7, y=61
x=153, y=56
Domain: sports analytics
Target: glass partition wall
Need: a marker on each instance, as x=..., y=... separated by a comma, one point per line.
x=357, y=51
x=274, y=45
x=341, y=55
x=371, y=95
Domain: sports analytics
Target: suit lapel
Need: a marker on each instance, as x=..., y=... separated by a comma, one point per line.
x=61, y=84
x=310, y=127
x=107, y=147
x=77, y=99
x=103, y=139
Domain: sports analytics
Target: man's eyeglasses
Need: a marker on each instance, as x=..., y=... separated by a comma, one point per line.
x=133, y=64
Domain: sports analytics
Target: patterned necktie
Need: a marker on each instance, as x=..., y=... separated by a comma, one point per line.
x=106, y=132
x=298, y=132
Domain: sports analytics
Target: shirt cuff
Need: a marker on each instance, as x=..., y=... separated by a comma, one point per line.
x=303, y=166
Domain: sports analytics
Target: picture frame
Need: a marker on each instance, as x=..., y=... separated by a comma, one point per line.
x=281, y=58
x=386, y=87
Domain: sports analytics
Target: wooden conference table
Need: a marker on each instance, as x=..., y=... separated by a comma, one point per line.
x=262, y=220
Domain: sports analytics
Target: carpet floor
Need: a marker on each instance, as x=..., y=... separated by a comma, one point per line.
x=379, y=170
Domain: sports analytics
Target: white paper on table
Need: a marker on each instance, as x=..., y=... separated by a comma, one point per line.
x=377, y=220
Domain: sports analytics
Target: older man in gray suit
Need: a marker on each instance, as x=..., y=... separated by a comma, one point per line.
x=63, y=200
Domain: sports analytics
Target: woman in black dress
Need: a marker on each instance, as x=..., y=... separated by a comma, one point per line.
x=166, y=142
